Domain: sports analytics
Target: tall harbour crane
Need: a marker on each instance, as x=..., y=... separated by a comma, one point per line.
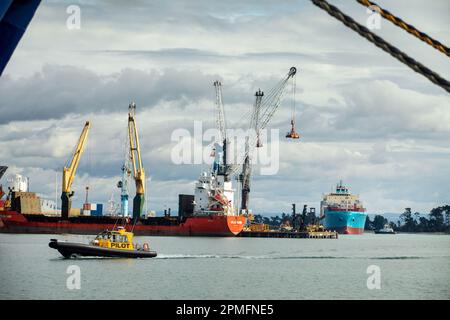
x=263, y=110
x=69, y=173
x=136, y=161
x=245, y=175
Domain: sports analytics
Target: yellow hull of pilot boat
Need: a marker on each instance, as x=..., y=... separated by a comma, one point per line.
x=115, y=244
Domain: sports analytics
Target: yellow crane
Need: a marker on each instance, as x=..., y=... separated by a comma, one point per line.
x=138, y=169
x=69, y=173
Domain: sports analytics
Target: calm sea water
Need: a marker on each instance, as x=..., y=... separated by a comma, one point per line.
x=412, y=266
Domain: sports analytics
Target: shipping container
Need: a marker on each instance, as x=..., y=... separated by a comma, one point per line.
x=26, y=202
x=75, y=212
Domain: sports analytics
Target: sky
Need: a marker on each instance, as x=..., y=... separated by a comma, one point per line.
x=363, y=117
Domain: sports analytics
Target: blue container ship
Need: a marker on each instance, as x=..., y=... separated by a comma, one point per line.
x=342, y=211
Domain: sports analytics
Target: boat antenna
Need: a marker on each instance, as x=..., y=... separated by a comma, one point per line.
x=134, y=223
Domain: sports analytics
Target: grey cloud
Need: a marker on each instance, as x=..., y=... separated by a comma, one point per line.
x=60, y=90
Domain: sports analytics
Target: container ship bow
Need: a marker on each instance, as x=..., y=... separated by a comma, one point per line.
x=343, y=211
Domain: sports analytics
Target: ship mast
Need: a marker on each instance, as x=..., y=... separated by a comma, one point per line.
x=123, y=183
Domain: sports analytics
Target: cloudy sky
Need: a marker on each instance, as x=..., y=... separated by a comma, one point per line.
x=364, y=117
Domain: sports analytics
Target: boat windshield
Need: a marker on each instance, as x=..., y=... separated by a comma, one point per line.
x=112, y=236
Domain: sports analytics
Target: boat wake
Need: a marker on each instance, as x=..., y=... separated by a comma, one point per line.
x=268, y=257
x=218, y=256
x=399, y=258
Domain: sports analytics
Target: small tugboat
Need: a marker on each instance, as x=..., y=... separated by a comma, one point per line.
x=386, y=230
x=116, y=243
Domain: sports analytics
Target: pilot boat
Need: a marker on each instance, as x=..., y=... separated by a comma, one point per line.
x=115, y=243
x=386, y=230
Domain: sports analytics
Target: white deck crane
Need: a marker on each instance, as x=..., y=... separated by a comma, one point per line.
x=224, y=168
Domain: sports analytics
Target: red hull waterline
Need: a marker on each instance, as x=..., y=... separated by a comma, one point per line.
x=214, y=226
x=350, y=230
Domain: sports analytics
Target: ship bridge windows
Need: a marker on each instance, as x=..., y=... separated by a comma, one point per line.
x=119, y=238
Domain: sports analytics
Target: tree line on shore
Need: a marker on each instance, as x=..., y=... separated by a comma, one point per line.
x=438, y=220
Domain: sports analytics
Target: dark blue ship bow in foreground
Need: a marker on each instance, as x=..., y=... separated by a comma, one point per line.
x=15, y=15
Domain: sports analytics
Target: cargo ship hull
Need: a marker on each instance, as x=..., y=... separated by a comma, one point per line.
x=213, y=225
x=345, y=221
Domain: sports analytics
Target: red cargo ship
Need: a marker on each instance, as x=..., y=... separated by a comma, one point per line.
x=211, y=225
x=199, y=215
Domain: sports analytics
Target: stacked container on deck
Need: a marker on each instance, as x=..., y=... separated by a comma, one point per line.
x=93, y=209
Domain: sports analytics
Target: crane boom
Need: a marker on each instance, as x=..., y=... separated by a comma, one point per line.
x=265, y=109
x=245, y=176
x=220, y=119
x=136, y=161
x=224, y=168
x=69, y=173
x=273, y=99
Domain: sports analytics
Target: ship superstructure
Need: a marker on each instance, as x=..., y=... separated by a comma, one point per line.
x=213, y=195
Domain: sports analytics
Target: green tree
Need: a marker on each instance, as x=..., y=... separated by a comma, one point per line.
x=369, y=224
x=437, y=219
x=258, y=218
x=408, y=223
x=447, y=215
x=275, y=221
x=423, y=225
x=379, y=222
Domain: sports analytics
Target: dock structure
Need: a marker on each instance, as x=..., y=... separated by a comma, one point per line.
x=289, y=234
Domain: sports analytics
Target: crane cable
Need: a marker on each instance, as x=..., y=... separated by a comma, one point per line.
x=293, y=98
x=383, y=44
x=407, y=27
